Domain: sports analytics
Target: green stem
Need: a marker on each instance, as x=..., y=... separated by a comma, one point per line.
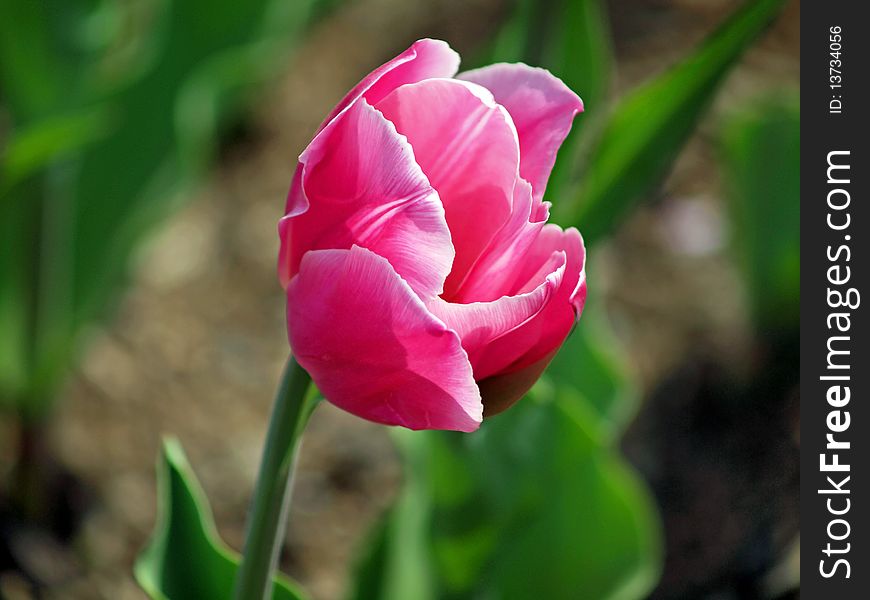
x=293, y=407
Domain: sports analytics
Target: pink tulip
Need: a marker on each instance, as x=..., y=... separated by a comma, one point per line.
x=424, y=285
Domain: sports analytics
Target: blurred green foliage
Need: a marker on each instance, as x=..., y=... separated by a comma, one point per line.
x=646, y=129
x=113, y=106
x=185, y=558
x=761, y=155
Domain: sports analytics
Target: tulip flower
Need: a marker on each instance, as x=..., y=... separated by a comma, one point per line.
x=425, y=287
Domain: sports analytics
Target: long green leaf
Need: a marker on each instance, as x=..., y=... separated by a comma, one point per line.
x=209, y=52
x=647, y=129
x=185, y=559
x=31, y=74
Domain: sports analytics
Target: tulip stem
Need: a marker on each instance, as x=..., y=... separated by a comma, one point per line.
x=266, y=524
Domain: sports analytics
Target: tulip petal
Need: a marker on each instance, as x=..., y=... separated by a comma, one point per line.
x=372, y=347
x=364, y=187
x=546, y=330
x=542, y=108
x=425, y=59
x=494, y=273
x=540, y=260
x=467, y=146
x=478, y=324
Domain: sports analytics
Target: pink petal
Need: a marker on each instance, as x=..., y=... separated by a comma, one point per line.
x=373, y=349
x=542, y=108
x=363, y=187
x=478, y=324
x=545, y=331
x=494, y=272
x=540, y=258
x=467, y=146
x=425, y=59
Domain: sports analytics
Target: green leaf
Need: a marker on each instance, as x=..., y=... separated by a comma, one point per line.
x=372, y=565
x=761, y=151
x=15, y=301
x=35, y=310
x=535, y=504
x=38, y=145
x=552, y=508
x=185, y=559
x=592, y=533
x=647, y=129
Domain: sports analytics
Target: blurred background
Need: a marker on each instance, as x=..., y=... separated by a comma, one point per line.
x=146, y=147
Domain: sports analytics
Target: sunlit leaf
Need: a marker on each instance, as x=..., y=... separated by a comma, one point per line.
x=172, y=114
x=185, y=559
x=649, y=126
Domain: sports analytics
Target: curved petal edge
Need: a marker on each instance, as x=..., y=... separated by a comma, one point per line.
x=542, y=107
x=372, y=347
